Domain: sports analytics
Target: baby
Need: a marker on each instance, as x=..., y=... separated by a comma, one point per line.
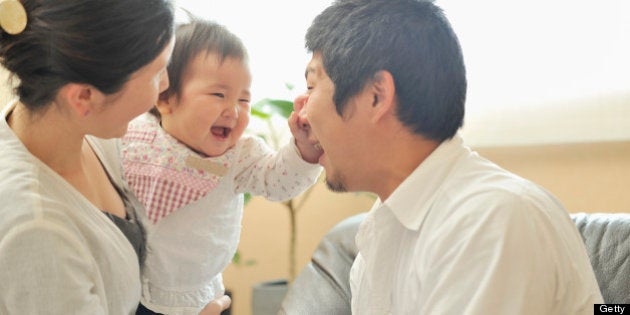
x=189, y=164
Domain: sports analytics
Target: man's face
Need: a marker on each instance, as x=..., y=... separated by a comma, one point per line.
x=338, y=136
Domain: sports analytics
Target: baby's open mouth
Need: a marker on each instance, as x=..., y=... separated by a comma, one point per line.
x=221, y=132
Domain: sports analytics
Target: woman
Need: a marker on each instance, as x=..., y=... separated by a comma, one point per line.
x=69, y=243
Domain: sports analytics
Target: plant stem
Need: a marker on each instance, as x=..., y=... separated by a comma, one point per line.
x=293, y=206
x=303, y=198
x=293, y=240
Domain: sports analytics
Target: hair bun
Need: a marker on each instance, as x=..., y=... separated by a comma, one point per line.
x=12, y=16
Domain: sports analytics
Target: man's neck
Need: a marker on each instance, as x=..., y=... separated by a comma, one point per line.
x=397, y=158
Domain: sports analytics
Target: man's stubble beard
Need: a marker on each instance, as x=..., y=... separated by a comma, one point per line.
x=335, y=184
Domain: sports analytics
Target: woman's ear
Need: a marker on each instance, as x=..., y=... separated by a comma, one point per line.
x=82, y=99
x=384, y=95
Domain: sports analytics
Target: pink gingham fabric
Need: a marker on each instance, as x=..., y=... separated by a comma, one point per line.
x=155, y=166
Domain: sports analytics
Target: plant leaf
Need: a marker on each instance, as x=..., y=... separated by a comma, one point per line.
x=258, y=113
x=268, y=107
x=236, y=259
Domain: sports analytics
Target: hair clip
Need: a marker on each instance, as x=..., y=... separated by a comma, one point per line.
x=12, y=16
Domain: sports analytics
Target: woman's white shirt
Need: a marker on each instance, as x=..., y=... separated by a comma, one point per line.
x=59, y=254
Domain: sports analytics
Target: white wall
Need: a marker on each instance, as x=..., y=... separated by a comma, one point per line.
x=602, y=118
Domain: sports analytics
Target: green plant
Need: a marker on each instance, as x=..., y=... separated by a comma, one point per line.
x=266, y=110
x=237, y=260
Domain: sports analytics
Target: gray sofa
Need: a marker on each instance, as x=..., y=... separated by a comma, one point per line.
x=323, y=288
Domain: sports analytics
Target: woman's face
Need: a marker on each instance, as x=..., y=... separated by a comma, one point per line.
x=137, y=96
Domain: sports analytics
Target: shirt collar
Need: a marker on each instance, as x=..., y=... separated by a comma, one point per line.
x=8, y=108
x=412, y=199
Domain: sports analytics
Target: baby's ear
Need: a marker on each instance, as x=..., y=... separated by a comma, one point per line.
x=166, y=103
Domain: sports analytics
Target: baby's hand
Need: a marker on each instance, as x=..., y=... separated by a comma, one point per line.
x=301, y=130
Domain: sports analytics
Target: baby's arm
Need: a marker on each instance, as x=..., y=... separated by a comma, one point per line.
x=301, y=130
x=275, y=175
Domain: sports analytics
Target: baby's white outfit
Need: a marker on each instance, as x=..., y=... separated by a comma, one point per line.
x=194, y=206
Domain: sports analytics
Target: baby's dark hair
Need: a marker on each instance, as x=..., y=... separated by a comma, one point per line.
x=195, y=37
x=96, y=42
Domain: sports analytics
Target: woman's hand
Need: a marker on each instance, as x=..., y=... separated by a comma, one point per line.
x=216, y=306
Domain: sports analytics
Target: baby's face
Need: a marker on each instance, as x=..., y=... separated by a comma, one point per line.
x=212, y=111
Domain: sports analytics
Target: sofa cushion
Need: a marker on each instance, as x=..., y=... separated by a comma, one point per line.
x=323, y=286
x=607, y=240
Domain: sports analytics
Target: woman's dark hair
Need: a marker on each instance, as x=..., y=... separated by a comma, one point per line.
x=97, y=42
x=411, y=39
x=195, y=37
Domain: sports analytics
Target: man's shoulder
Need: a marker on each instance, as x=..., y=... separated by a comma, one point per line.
x=480, y=185
x=478, y=176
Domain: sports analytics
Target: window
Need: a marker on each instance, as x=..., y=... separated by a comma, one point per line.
x=545, y=71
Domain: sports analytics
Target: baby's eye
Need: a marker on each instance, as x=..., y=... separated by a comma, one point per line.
x=244, y=103
x=221, y=95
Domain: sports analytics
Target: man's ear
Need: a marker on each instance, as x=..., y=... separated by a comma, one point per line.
x=384, y=95
x=166, y=103
x=82, y=99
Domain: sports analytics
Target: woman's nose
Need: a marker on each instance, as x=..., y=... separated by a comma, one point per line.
x=164, y=82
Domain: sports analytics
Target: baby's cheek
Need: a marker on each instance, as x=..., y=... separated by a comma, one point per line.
x=245, y=117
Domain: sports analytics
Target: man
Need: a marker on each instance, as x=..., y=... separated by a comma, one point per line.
x=451, y=233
